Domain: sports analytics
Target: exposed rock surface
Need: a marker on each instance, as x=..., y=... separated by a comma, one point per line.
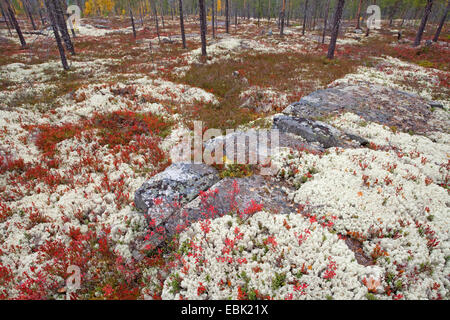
x=180, y=182
x=262, y=190
x=319, y=132
x=261, y=152
x=405, y=111
x=300, y=126
x=310, y=130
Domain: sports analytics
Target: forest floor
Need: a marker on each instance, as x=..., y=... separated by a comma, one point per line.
x=76, y=145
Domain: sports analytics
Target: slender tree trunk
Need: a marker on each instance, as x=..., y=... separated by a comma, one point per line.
x=248, y=10
x=12, y=17
x=304, y=18
x=62, y=9
x=358, y=15
x=61, y=22
x=283, y=10
x=41, y=17
x=202, y=12
x=132, y=20
x=335, y=30
x=6, y=19
x=288, y=13
x=140, y=15
x=183, y=36
x=423, y=23
x=162, y=18
x=227, y=18
x=325, y=21
x=157, y=23
x=441, y=24
x=26, y=7
x=314, y=15
x=212, y=19
x=393, y=11
x=50, y=4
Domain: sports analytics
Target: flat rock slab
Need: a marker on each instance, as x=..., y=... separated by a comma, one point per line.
x=180, y=182
x=384, y=105
x=256, y=144
x=262, y=190
x=321, y=133
x=310, y=130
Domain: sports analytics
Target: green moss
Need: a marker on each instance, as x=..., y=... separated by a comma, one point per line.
x=278, y=281
x=371, y=296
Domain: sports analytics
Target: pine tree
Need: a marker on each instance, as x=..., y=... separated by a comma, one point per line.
x=227, y=17
x=62, y=26
x=202, y=12
x=51, y=10
x=5, y=18
x=304, y=17
x=132, y=19
x=325, y=21
x=423, y=23
x=441, y=24
x=282, y=13
x=12, y=18
x=335, y=30
x=183, y=36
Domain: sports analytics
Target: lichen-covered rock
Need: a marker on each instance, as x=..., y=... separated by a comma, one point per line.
x=179, y=182
x=310, y=130
x=375, y=103
x=266, y=191
x=258, y=145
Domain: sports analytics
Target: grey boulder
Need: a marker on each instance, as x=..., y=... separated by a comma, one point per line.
x=310, y=130
x=180, y=182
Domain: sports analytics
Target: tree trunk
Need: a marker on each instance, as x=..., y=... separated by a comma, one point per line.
x=201, y=4
x=157, y=23
x=162, y=18
x=132, y=20
x=335, y=30
x=12, y=17
x=212, y=19
x=325, y=22
x=50, y=4
x=41, y=17
x=64, y=16
x=289, y=6
x=358, y=15
x=393, y=11
x=227, y=18
x=283, y=10
x=314, y=16
x=26, y=7
x=183, y=36
x=61, y=22
x=140, y=15
x=441, y=24
x=304, y=18
x=423, y=23
x=6, y=19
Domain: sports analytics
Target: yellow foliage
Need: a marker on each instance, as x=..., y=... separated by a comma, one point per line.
x=103, y=7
